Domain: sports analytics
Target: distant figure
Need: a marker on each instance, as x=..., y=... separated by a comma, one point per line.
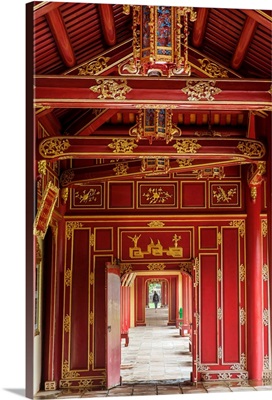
x=156, y=299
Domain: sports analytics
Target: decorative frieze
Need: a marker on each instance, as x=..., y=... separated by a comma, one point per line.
x=156, y=266
x=92, y=240
x=196, y=269
x=111, y=89
x=185, y=146
x=201, y=90
x=67, y=177
x=91, y=359
x=201, y=367
x=126, y=146
x=251, y=149
x=125, y=268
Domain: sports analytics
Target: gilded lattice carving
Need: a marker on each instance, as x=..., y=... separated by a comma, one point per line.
x=264, y=228
x=70, y=226
x=266, y=362
x=201, y=90
x=212, y=69
x=121, y=169
x=156, y=195
x=223, y=196
x=125, y=268
x=242, y=316
x=94, y=67
x=50, y=385
x=89, y=196
x=224, y=376
x=67, y=177
x=86, y=383
x=186, y=267
x=123, y=146
x=156, y=266
x=66, y=373
x=111, y=89
x=156, y=224
x=187, y=146
x=66, y=323
x=265, y=317
x=42, y=167
x=196, y=268
x=267, y=377
x=242, y=273
x=240, y=225
x=265, y=272
x=243, y=361
x=251, y=149
x=91, y=318
x=54, y=147
x=91, y=279
x=68, y=277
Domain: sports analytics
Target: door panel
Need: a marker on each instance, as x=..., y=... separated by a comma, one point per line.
x=113, y=331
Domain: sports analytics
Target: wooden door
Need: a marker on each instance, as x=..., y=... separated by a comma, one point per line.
x=113, y=331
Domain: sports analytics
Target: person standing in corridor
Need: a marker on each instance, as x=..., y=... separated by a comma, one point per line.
x=156, y=299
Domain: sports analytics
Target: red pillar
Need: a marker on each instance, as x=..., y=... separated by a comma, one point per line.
x=254, y=286
x=185, y=305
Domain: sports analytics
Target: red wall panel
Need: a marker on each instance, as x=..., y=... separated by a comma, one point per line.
x=121, y=195
x=79, y=301
x=208, y=308
x=230, y=282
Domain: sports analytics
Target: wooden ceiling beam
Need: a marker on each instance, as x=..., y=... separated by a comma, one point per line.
x=260, y=17
x=89, y=127
x=243, y=43
x=44, y=8
x=59, y=32
x=107, y=23
x=200, y=26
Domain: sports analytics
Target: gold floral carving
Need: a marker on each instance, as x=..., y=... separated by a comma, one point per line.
x=126, y=9
x=156, y=224
x=67, y=177
x=91, y=358
x=123, y=146
x=222, y=196
x=265, y=317
x=92, y=239
x=251, y=149
x=121, y=169
x=66, y=323
x=125, y=268
x=156, y=195
x=242, y=316
x=264, y=228
x=187, y=146
x=91, y=318
x=240, y=225
x=219, y=275
x=64, y=194
x=70, y=226
x=91, y=279
x=156, y=266
x=219, y=238
x=184, y=163
x=196, y=269
x=88, y=196
x=94, y=67
x=111, y=89
x=201, y=90
x=66, y=373
x=265, y=272
x=68, y=277
x=53, y=147
x=42, y=167
x=242, y=272
x=212, y=69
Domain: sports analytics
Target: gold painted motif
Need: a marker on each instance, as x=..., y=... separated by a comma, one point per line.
x=220, y=352
x=66, y=324
x=156, y=266
x=224, y=376
x=53, y=147
x=266, y=362
x=156, y=224
x=67, y=177
x=70, y=226
x=111, y=89
x=94, y=67
x=222, y=196
x=242, y=316
x=242, y=272
x=156, y=195
x=219, y=313
x=42, y=167
x=64, y=194
x=219, y=238
x=184, y=163
x=156, y=106
x=201, y=90
x=92, y=240
x=197, y=317
x=66, y=373
x=89, y=196
x=68, y=277
x=126, y=9
x=187, y=146
x=123, y=145
x=186, y=268
x=264, y=228
x=265, y=272
x=253, y=193
x=40, y=108
x=219, y=275
x=50, y=385
x=91, y=278
x=86, y=383
x=251, y=149
x=91, y=318
x=121, y=169
x=155, y=249
x=265, y=317
x=196, y=269
x=125, y=268
x=91, y=359
x=212, y=69
x=240, y=225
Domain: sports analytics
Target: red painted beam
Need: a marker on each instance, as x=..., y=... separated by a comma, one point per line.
x=96, y=122
x=200, y=26
x=107, y=22
x=243, y=43
x=260, y=17
x=59, y=32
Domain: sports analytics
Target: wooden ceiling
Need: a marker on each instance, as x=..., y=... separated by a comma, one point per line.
x=69, y=36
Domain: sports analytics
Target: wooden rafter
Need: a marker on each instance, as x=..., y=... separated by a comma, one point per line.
x=107, y=22
x=260, y=17
x=44, y=8
x=243, y=43
x=89, y=126
x=200, y=26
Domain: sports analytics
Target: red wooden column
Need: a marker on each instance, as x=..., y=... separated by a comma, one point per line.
x=185, y=305
x=254, y=283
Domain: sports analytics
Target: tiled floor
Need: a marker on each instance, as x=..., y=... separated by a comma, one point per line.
x=157, y=362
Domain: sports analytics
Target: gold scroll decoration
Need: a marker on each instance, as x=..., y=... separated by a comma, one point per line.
x=94, y=67
x=53, y=147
